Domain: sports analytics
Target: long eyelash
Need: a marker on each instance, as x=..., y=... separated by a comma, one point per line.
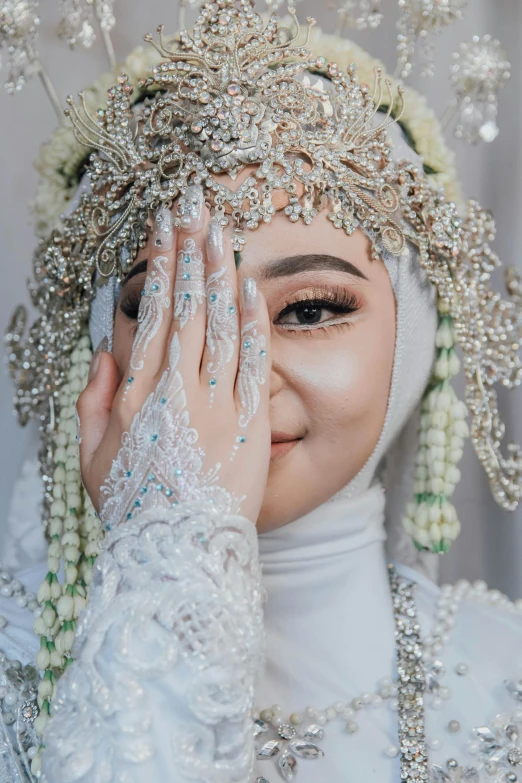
x=338, y=299
x=329, y=328
x=130, y=304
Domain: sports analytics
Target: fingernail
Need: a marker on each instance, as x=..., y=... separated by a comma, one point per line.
x=190, y=209
x=95, y=361
x=163, y=236
x=250, y=296
x=103, y=346
x=215, y=242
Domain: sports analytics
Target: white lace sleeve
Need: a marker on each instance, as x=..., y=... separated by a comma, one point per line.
x=166, y=656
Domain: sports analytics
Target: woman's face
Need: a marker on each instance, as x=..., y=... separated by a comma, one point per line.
x=332, y=311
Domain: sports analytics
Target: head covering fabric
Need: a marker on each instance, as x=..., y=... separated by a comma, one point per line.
x=394, y=455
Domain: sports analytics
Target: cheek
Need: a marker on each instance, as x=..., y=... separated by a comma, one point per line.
x=344, y=383
x=124, y=332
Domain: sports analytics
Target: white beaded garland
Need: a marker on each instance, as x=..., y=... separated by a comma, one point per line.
x=75, y=534
x=431, y=520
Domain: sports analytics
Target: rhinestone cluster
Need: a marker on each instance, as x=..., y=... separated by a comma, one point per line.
x=411, y=682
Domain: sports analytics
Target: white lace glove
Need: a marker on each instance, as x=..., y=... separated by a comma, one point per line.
x=170, y=644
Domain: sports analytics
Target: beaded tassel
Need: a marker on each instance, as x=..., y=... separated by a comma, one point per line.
x=74, y=530
x=431, y=520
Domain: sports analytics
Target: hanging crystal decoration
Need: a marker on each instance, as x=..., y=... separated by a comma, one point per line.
x=19, y=23
x=418, y=20
x=78, y=18
x=480, y=70
x=361, y=14
x=182, y=8
x=275, y=5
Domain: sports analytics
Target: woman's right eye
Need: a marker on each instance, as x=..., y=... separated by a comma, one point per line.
x=130, y=304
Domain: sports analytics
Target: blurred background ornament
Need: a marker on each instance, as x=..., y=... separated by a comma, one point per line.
x=19, y=22
x=358, y=14
x=421, y=19
x=182, y=11
x=275, y=5
x=478, y=74
x=78, y=23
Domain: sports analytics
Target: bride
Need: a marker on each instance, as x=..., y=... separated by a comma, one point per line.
x=256, y=411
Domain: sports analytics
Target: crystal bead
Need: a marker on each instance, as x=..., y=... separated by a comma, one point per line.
x=287, y=766
x=306, y=750
x=269, y=749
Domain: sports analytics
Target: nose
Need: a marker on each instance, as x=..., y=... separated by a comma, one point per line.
x=276, y=382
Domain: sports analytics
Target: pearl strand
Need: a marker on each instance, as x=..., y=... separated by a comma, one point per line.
x=451, y=597
x=431, y=520
x=12, y=588
x=344, y=711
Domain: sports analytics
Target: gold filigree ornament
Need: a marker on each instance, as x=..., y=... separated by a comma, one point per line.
x=237, y=96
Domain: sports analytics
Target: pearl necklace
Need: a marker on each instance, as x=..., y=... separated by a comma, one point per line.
x=298, y=735
x=13, y=588
x=18, y=686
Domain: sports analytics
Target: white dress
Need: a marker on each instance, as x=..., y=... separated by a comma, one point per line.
x=170, y=664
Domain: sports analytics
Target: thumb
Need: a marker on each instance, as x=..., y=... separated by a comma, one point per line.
x=95, y=404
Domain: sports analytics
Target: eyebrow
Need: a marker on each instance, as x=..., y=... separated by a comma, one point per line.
x=293, y=265
x=137, y=269
x=284, y=267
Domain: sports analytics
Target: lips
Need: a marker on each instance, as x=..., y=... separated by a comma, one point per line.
x=282, y=443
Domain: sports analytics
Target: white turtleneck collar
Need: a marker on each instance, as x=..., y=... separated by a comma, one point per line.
x=340, y=525
x=327, y=584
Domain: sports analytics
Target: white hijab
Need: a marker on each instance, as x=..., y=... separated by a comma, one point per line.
x=394, y=455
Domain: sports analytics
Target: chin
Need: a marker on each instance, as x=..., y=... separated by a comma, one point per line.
x=275, y=512
x=286, y=499
x=297, y=484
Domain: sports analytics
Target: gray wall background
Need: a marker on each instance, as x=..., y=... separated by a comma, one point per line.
x=490, y=545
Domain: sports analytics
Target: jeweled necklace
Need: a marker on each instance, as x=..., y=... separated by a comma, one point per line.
x=418, y=686
x=296, y=740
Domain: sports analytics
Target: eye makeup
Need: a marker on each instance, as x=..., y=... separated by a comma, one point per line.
x=318, y=307
x=130, y=300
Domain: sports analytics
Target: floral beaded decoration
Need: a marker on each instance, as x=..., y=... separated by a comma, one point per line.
x=74, y=531
x=431, y=520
